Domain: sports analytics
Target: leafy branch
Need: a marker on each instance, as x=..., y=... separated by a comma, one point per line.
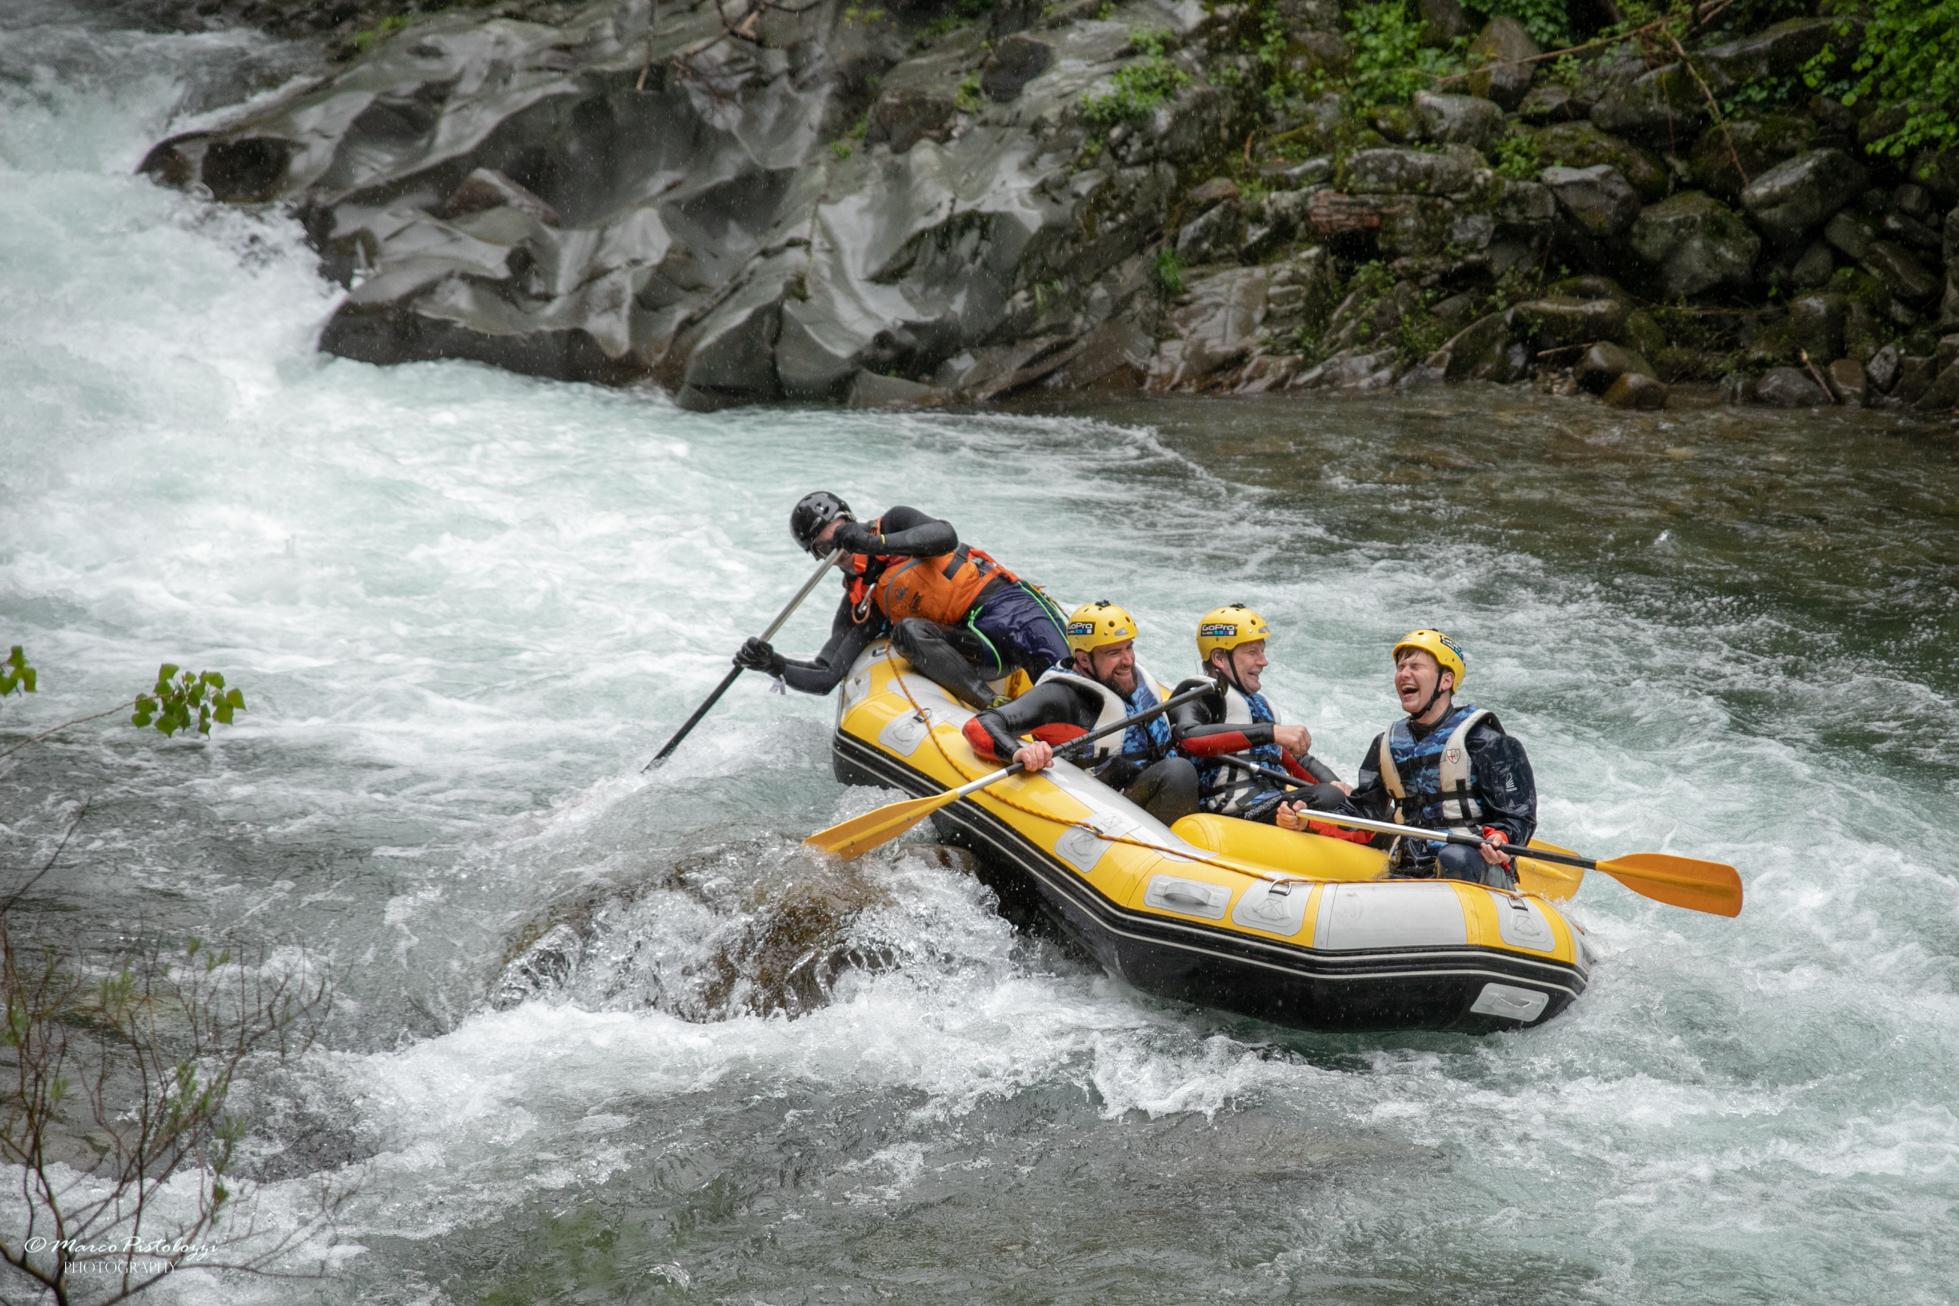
x=177, y=701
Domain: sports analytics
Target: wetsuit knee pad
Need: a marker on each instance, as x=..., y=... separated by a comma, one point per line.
x=1167, y=790
x=1459, y=863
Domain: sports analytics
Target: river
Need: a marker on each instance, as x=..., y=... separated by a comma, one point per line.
x=466, y=606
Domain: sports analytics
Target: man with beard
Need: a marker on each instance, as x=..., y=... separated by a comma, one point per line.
x=1099, y=685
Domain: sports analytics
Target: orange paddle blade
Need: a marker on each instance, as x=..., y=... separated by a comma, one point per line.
x=1548, y=879
x=860, y=834
x=1712, y=887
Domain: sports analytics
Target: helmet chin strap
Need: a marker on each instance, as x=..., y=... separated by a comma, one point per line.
x=1229, y=671
x=1422, y=711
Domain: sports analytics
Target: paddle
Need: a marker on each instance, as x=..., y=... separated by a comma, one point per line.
x=860, y=834
x=1711, y=887
x=736, y=671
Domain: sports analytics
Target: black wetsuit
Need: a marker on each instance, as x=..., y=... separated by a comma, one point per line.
x=1010, y=626
x=1201, y=731
x=1503, y=787
x=1154, y=778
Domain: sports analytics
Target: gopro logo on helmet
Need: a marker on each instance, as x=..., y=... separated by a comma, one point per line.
x=1450, y=644
x=1218, y=629
x=1081, y=628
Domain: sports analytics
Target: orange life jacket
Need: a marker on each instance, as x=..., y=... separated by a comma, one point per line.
x=941, y=589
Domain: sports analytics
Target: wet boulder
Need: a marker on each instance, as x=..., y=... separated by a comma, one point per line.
x=1789, y=387
x=1499, y=62
x=1816, y=324
x=1597, y=201
x=1801, y=193
x=1916, y=372
x=1814, y=268
x=1556, y=321
x=1883, y=367
x=1729, y=155
x=1779, y=51
x=1481, y=351
x=1458, y=119
x=1407, y=172
x=1582, y=145
x=1606, y=362
x=1847, y=378
x=1942, y=396
x=1216, y=233
x=1665, y=103
x=1692, y=243
x=1442, y=21
x=1360, y=369
x=1550, y=104
x=1636, y=390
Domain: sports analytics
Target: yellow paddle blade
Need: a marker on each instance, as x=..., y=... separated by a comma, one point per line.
x=860, y=834
x=1548, y=879
x=1712, y=887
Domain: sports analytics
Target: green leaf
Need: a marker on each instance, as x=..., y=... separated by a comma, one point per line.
x=167, y=670
x=214, y=678
x=27, y=678
x=223, y=714
x=235, y=698
x=141, y=718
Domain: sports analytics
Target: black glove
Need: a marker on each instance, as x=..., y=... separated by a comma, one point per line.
x=855, y=537
x=756, y=655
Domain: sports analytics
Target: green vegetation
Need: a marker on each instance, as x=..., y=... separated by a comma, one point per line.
x=1516, y=154
x=1910, y=58
x=1139, y=87
x=16, y=677
x=169, y=705
x=381, y=31
x=1169, y=271
x=964, y=13
x=1390, y=63
x=1548, y=21
x=967, y=97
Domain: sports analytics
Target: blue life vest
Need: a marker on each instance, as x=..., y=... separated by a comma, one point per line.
x=1230, y=789
x=1433, y=779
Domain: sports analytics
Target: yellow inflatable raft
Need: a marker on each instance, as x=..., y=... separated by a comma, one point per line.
x=1287, y=927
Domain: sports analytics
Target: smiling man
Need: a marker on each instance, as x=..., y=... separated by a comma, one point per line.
x=1442, y=767
x=1238, y=719
x=1097, y=686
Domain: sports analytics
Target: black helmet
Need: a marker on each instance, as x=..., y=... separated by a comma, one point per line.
x=812, y=513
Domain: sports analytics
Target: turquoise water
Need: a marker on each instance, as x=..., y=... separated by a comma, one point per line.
x=465, y=607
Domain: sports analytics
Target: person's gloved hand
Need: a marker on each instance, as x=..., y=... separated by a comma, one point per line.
x=756, y=655
x=855, y=537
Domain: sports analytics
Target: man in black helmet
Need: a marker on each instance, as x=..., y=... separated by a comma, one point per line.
x=954, y=613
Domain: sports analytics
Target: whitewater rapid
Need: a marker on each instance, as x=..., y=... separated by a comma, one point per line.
x=466, y=606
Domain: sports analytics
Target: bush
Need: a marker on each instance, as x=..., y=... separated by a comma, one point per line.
x=1910, y=57
x=1390, y=64
x=1140, y=87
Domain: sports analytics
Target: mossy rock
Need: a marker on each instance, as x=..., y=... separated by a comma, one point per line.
x=1643, y=333
x=1731, y=154
x=1581, y=145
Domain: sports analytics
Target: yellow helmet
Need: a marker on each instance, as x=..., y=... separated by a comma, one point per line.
x=1228, y=627
x=1097, y=625
x=1438, y=646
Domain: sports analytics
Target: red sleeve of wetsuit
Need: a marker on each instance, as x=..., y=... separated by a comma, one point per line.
x=1324, y=830
x=1215, y=745
x=1053, y=735
x=1293, y=767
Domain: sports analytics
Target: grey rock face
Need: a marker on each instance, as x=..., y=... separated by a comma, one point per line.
x=1789, y=387
x=1496, y=59
x=903, y=118
x=1693, y=243
x=1359, y=370
x=1442, y=21
x=1902, y=274
x=1598, y=201
x=1779, y=51
x=1916, y=372
x=1458, y=119
x=1549, y=104
x=1813, y=270
x=1218, y=327
x=687, y=218
x=1407, y=172
x=1015, y=61
x=1942, y=395
x=1218, y=232
x=1792, y=197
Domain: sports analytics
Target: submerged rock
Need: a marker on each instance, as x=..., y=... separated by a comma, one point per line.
x=1636, y=390
x=1605, y=362
x=1789, y=387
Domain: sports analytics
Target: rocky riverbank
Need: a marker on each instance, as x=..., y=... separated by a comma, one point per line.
x=962, y=200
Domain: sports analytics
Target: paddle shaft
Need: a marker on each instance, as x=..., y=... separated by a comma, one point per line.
x=1409, y=831
x=734, y=672
x=1075, y=746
